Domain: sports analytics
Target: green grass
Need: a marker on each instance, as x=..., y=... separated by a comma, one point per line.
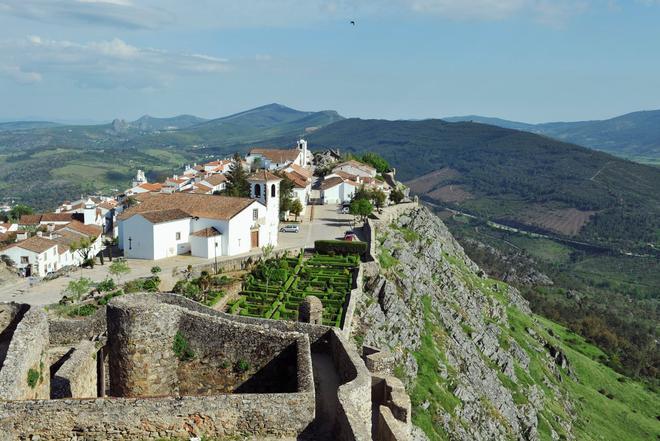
x=386, y=259
x=429, y=387
x=543, y=249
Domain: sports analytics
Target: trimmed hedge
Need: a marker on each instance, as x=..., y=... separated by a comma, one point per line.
x=340, y=247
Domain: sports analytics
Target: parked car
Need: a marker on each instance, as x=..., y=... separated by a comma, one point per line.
x=290, y=229
x=345, y=210
x=350, y=236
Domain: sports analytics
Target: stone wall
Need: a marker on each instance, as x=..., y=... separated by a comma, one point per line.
x=353, y=298
x=77, y=376
x=64, y=331
x=354, y=395
x=27, y=356
x=140, y=338
x=276, y=415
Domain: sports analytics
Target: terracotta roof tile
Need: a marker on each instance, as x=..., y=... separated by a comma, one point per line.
x=216, y=179
x=35, y=243
x=330, y=182
x=277, y=155
x=207, y=232
x=179, y=205
x=263, y=175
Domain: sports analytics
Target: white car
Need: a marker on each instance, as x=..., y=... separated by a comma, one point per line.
x=290, y=229
x=345, y=210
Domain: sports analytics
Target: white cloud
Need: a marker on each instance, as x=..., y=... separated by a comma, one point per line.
x=138, y=14
x=114, y=13
x=101, y=64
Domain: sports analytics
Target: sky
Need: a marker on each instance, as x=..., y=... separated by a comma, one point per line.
x=527, y=60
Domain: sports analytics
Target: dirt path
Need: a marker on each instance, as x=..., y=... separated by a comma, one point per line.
x=600, y=170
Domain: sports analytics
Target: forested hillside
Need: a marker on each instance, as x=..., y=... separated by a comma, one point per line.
x=515, y=177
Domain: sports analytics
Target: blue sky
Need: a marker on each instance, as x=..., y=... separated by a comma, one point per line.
x=529, y=60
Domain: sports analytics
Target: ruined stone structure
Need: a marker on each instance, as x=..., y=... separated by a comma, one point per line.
x=311, y=310
x=152, y=366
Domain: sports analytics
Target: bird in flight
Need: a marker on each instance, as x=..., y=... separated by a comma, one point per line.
x=353, y=22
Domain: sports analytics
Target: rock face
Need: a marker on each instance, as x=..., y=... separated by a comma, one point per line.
x=451, y=332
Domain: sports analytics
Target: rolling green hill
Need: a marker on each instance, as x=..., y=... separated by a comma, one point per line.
x=25, y=125
x=43, y=166
x=635, y=135
x=515, y=177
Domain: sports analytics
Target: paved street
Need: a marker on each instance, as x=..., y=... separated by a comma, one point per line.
x=327, y=223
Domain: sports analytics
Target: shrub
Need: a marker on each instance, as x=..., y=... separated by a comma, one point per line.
x=151, y=284
x=340, y=247
x=155, y=270
x=181, y=348
x=106, y=285
x=242, y=366
x=106, y=298
x=83, y=311
x=33, y=377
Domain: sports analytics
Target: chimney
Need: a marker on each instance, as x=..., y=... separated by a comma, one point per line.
x=40, y=234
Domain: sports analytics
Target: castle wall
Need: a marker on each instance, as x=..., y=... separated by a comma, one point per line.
x=157, y=418
x=65, y=331
x=27, y=356
x=77, y=377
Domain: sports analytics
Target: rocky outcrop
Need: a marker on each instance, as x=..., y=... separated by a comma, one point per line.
x=449, y=328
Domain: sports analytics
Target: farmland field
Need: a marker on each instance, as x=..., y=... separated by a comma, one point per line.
x=567, y=221
x=276, y=288
x=451, y=193
x=429, y=181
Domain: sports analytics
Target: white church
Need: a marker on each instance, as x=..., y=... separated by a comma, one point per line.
x=165, y=225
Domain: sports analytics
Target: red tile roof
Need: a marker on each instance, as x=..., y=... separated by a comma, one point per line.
x=178, y=205
x=263, y=175
x=277, y=155
x=207, y=232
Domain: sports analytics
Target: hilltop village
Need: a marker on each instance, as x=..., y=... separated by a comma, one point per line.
x=193, y=213
x=253, y=341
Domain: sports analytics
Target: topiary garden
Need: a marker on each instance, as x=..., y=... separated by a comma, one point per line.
x=275, y=288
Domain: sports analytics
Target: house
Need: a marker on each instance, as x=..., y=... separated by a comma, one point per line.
x=8, y=228
x=165, y=225
x=356, y=168
x=302, y=183
x=336, y=190
x=34, y=256
x=217, y=166
x=177, y=183
x=274, y=159
x=215, y=182
x=145, y=188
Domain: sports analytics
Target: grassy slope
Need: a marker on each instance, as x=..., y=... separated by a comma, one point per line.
x=608, y=406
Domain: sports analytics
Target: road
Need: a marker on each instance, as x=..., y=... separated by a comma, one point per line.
x=326, y=223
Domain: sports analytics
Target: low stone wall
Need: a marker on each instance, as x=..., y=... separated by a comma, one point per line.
x=64, y=331
x=240, y=263
x=354, y=395
x=353, y=298
x=157, y=418
x=377, y=360
x=77, y=377
x=27, y=359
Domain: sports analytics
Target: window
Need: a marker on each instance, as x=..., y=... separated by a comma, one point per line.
x=24, y=259
x=255, y=214
x=272, y=191
x=257, y=191
x=178, y=236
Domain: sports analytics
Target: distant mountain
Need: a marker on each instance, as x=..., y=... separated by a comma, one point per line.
x=263, y=122
x=65, y=161
x=634, y=135
x=513, y=176
x=26, y=125
x=150, y=123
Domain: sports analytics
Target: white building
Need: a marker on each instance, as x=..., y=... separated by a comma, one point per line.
x=265, y=187
x=302, y=184
x=166, y=225
x=35, y=256
x=335, y=190
x=355, y=168
x=274, y=159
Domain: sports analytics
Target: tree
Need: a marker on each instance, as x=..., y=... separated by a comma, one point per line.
x=118, y=268
x=376, y=161
x=266, y=269
x=130, y=201
x=379, y=197
x=396, y=195
x=296, y=208
x=286, y=193
x=19, y=210
x=237, y=183
x=155, y=270
x=361, y=208
x=78, y=288
x=109, y=244
x=83, y=248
